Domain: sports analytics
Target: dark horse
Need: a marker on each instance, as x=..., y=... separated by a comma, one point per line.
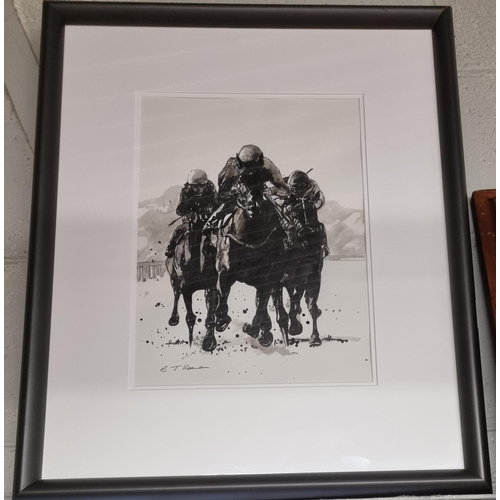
x=192, y=268
x=303, y=275
x=251, y=250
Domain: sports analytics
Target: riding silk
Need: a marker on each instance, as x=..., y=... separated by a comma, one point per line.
x=196, y=205
x=299, y=217
x=234, y=176
x=254, y=178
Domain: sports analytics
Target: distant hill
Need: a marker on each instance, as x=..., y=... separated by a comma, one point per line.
x=154, y=230
x=345, y=230
x=345, y=227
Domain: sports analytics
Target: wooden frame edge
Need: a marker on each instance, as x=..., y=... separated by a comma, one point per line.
x=483, y=203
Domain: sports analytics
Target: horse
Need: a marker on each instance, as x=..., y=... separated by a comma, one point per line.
x=251, y=250
x=303, y=276
x=192, y=268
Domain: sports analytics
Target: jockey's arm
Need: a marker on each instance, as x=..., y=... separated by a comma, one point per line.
x=274, y=176
x=208, y=201
x=182, y=205
x=314, y=196
x=319, y=199
x=227, y=181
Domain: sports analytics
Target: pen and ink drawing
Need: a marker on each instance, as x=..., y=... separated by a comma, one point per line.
x=237, y=266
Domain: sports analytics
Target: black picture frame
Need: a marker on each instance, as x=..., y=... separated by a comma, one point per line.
x=474, y=478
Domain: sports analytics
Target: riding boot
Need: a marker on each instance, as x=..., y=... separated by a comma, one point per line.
x=325, y=251
x=169, y=252
x=174, y=239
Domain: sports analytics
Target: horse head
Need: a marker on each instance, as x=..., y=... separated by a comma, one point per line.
x=250, y=200
x=255, y=217
x=303, y=215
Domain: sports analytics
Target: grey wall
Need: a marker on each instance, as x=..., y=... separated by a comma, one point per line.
x=475, y=40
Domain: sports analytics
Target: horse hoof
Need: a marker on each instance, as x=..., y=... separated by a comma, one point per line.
x=315, y=341
x=265, y=338
x=190, y=320
x=173, y=321
x=251, y=330
x=295, y=328
x=209, y=343
x=223, y=323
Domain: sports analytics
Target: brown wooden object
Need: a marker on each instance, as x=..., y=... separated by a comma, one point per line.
x=484, y=204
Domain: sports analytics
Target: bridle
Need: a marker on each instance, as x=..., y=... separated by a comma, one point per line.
x=249, y=245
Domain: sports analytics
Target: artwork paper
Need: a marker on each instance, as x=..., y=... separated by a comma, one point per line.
x=177, y=134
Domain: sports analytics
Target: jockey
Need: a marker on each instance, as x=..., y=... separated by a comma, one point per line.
x=300, y=209
x=250, y=168
x=197, y=201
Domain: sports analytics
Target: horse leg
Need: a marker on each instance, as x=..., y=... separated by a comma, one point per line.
x=253, y=328
x=174, y=317
x=295, y=294
x=261, y=323
x=226, y=281
x=190, y=316
x=281, y=314
x=312, y=294
x=209, y=342
x=265, y=337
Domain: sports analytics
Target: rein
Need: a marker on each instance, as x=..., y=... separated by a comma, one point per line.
x=248, y=245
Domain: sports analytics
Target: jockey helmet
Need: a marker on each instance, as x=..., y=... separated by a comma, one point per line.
x=298, y=181
x=197, y=176
x=250, y=154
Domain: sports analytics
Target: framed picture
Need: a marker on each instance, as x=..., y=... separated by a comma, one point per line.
x=250, y=267
x=484, y=203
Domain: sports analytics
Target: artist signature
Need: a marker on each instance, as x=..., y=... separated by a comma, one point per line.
x=175, y=368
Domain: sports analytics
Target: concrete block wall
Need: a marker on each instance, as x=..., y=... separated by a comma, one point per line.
x=475, y=41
